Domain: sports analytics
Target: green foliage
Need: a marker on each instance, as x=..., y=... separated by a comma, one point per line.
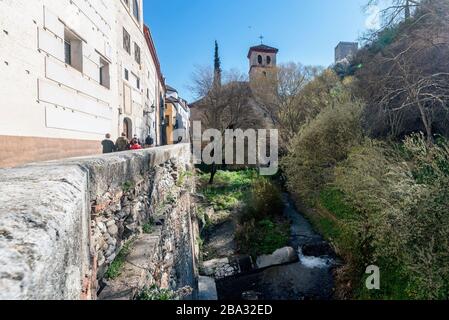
x=385, y=38
x=262, y=229
x=262, y=237
x=116, y=267
x=232, y=179
x=171, y=199
x=128, y=186
x=402, y=205
x=229, y=188
x=333, y=200
x=155, y=293
x=223, y=201
x=148, y=227
x=318, y=148
x=265, y=200
x=182, y=177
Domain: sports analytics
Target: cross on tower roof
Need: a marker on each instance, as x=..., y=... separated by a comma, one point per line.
x=261, y=39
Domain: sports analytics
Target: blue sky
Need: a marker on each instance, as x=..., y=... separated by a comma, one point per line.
x=305, y=31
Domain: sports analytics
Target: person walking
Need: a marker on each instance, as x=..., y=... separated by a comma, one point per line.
x=122, y=143
x=108, y=144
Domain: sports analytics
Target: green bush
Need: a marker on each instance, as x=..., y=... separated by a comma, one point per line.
x=402, y=202
x=264, y=201
x=262, y=227
x=263, y=237
x=319, y=147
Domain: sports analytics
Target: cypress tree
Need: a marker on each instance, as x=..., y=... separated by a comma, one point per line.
x=217, y=67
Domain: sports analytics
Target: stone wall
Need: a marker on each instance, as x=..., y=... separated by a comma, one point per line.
x=64, y=222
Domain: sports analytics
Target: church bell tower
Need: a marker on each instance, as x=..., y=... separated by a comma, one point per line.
x=262, y=61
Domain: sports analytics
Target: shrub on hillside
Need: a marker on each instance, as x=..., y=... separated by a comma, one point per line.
x=402, y=199
x=319, y=147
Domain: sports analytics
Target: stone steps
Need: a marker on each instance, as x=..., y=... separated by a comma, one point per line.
x=136, y=270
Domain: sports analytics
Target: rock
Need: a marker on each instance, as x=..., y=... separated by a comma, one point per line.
x=221, y=268
x=113, y=230
x=207, y=289
x=102, y=227
x=279, y=257
x=111, y=257
x=210, y=211
x=116, y=208
x=100, y=243
x=110, y=223
x=112, y=242
x=318, y=250
x=211, y=266
x=101, y=259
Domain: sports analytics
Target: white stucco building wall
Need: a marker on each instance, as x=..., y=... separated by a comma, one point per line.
x=53, y=109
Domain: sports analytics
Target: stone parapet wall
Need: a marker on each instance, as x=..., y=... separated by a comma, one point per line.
x=64, y=222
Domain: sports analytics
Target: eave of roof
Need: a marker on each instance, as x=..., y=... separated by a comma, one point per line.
x=262, y=48
x=152, y=47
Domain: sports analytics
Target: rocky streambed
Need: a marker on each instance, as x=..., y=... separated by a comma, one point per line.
x=302, y=271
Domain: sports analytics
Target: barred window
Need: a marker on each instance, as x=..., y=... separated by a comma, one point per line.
x=137, y=53
x=67, y=52
x=126, y=41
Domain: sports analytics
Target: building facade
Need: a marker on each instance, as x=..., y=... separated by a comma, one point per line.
x=72, y=71
x=176, y=117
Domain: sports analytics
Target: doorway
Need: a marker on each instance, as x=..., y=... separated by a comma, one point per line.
x=127, y=128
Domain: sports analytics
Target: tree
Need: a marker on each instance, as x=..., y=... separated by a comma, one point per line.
x=217, y=67
x=400, y=79
x=297, y=95
x=223, y=107
x=396, y=10
x=278, y=94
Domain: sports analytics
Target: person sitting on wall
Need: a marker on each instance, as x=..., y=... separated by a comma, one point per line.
x=149, y=142
x=108, y=145
x=135, y=145
x=122, y=143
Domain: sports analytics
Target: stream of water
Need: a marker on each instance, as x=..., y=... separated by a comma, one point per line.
x=311, y=278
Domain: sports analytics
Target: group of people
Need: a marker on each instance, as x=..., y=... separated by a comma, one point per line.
x=123, y=144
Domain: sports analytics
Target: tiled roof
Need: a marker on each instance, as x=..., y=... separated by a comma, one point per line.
x=262, y=48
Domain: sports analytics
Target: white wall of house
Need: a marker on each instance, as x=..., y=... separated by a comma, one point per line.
x=142, y=81
x=42, y=95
